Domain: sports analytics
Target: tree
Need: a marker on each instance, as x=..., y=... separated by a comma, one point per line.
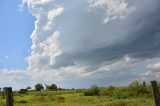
x=39, y=87
x=51, y=87
x=144, y=83
x=28, y=88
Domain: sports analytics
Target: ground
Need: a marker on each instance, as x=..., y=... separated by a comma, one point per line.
x=74, y=98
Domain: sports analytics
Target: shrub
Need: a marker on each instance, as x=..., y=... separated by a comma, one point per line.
x=110, y=90
x=107, y=91
x=137, y=89
x=92, y=91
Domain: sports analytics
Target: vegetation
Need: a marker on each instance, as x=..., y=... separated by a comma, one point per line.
x=29, y=88
x=39, y=87
x=136, y=94
x=51, y=87
x=94, y=90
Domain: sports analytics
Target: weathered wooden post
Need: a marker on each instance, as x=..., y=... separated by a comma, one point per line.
x=156, y=93
x=3, y=95
x=9, y=96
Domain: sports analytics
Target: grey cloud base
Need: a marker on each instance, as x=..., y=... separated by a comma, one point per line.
x=84, y=38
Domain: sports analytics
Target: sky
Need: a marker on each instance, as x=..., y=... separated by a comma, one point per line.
x=75, y=44
x=16, y=27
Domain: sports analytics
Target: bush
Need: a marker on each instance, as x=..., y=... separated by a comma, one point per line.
x=137, y=89
x=92, y=91
x=107, y=91
x=110, y=90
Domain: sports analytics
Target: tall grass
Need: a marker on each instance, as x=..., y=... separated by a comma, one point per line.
x=135, y=89
x=94, y=90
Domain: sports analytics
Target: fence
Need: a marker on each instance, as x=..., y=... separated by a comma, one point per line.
x=156, y=93
x=9, y=94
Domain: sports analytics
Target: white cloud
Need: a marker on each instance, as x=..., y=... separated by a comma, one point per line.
x=15, y=78
x=99, y=41
x=114, y=8
x=154, y=66
x=51, y=15
x=21, y=5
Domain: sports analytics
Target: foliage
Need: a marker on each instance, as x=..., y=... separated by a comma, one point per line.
x=121, y=93
x=110, y=90
x=137, y=89
x=22, y=91
x=92, y=91
x=136, y=94
x=72, y=98
x=51, y=87
x=108, y=96
x=29, y=87
x=144, y=83
x=39, y=87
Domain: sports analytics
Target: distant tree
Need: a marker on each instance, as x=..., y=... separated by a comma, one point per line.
x=28, y=87
x=22, y=91
x=60, y=89
x=39, y=87
x=51, y=87
x=144, y=83
x=0, y=89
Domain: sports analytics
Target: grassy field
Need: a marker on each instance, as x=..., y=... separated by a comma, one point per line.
x=135, y=94
x=74, y=98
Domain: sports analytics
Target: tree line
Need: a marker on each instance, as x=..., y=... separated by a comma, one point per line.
x=39, y=87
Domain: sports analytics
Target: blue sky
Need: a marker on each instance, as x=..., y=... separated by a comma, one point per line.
x=15, y=29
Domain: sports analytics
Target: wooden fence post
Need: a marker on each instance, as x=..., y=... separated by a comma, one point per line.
x=3, y=95
x=156, y=93
x=9, y=96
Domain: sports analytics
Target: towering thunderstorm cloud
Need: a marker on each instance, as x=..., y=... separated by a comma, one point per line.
x=95, y=41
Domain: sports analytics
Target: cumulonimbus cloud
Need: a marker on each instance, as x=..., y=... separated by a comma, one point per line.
x=80, y=37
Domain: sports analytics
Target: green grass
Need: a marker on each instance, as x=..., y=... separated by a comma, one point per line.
x=74, y=98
